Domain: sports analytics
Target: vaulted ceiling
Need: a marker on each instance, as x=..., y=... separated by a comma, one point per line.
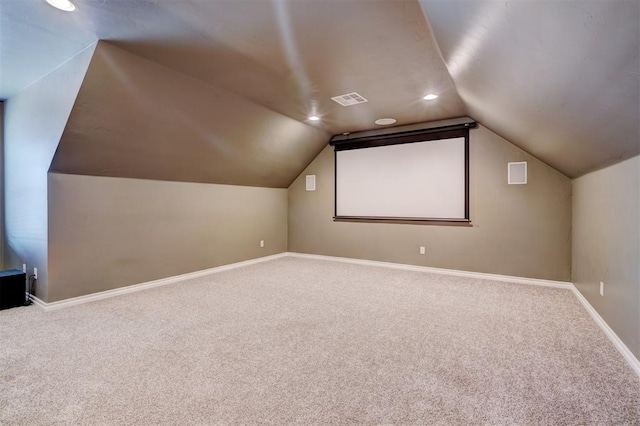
x=559, y=79
x=138, y=119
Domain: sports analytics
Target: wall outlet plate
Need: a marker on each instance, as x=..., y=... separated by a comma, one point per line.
x=24, y=267
x=35, y=273
x=422, y=250
x=601, y=288
x=261, y=243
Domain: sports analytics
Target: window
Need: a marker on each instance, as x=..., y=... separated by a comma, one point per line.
x=416, y=176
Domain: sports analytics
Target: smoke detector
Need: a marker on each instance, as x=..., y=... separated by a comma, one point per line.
x=349, y=99
x=385, y=121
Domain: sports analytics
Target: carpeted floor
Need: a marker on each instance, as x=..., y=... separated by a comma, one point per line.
x=306, y=341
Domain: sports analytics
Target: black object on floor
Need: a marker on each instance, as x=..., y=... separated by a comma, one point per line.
x=12, y=288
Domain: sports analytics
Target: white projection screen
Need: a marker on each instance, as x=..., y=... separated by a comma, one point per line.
x=423, y=180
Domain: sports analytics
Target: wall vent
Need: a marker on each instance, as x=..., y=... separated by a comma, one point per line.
x=349, y=99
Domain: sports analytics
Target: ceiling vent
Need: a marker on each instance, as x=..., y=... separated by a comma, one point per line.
x=349, y=99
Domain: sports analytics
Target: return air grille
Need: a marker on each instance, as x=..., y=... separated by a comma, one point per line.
x=349, y=99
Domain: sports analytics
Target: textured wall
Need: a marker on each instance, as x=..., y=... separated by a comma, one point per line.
x=606, y=245
x=34, y=121
x=522, y=230
x=106, y=233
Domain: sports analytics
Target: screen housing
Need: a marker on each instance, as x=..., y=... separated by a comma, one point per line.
x=430, y=132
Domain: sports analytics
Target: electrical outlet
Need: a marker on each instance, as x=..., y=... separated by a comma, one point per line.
x=24, y=267
x=601, y=288
x=422, y=250
x=35, y=273
x=261, y=243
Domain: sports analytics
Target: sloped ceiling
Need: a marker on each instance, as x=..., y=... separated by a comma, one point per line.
x=221, y=91
x=561, y=79
x=293, y=56
x=34, y=40
x=286, y=55
x=138, y=119
x=558, y=78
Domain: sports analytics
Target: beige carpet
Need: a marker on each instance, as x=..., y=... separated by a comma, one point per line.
x=304, y=341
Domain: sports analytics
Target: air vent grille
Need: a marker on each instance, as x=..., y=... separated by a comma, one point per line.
x=349, y=99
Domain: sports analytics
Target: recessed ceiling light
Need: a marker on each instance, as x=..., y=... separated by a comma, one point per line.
x=65, y=5
x=430, y=97
x=385, y=121
x=314, y=118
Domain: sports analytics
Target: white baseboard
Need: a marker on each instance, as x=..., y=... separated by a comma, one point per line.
x=52, y=306
x=441, y=271
x=622, y=348
x=38, y=302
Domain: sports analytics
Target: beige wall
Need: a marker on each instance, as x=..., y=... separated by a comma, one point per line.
x=606, y=246
x=106, y=233
x=34, y=120
x=522, y=230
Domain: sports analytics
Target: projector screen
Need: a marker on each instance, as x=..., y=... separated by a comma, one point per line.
x=423, y=180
